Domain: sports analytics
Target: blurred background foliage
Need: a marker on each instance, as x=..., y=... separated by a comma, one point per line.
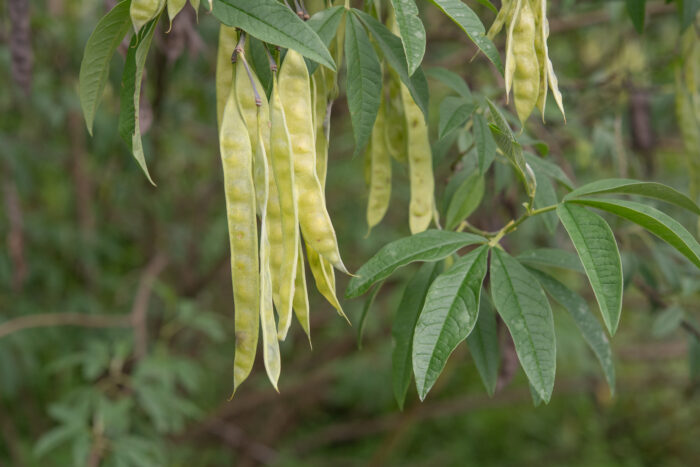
x=144, y=378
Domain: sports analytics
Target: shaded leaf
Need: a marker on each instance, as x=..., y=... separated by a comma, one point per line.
x=454, y=113
x=551, y=257
x=448, y=316
x=465, y=200
x=484, y=346
x=451, y=79
x=485, y=144
x=365, y=311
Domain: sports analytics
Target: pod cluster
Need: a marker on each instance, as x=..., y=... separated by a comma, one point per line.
x=528, y=70
x=400, y=132
x=274, y=154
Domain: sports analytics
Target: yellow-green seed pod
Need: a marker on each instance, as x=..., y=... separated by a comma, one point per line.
x=301, y=295
x=380, y=172
x=142, y=11
x=420, y=165
x=541, y=33
x=224, y=75
x=316, y=225
x=690, y=131
x=501, y=18
x=237, y=162
x=174, y=7
x=526, y=81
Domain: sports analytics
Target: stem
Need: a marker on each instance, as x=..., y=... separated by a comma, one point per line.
x=258, y=100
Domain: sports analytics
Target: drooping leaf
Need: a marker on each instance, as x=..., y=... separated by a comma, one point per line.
x=484, y=347
x=485, y=144
x=431, y=245
x=129, y=123
x=662, y=225
x=393, y=51
x=470, y=23
x=404, y=327
x=454, y=113
x=465, y=200
x=325, y=24
x=412, y=32
x=636, y=187
x=524, y=308
x=551, y=257
x=272, y=22
x=363, y=82
x=636, y=9
x=100, y=47
x=667, y=321
x=548, y=168
x=448, y=316
x=590, y=327
x=597, y=249
x=451, y=79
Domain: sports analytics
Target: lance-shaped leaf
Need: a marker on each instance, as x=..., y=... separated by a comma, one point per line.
x=636, y=10
x=454, y=113
x=369, y=301
x=662, y=225
x=551, y=257
x=129, y=126
x=546, y=196
x=590, y=327
x=635, y=187
x=449, y=315
x=325, y=24
x=470, y=23
x=524, y=308
x=484, y=347
x=100, y=47
x=431, y=245
x=550, y=169
x=404, y=327
x=465, y=200
x=363, y=83
x=597, y=249
x=412, y=32
x=484, y=142
x=391, y=47
x=274, y=23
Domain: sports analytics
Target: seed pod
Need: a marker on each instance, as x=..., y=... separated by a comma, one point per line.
x=174, y=7
x=526, y=81
x=301, y=295
x=380, y=172
x=283, y=168
x=142, y=11
x=237, y=162
x=541, y=34
x=316, y=225
x=420, y=165
x=690, y=130
x=501, y=18
x=224, y=76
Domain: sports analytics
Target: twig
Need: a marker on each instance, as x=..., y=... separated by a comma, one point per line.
x=44, y=320
x=141, y=301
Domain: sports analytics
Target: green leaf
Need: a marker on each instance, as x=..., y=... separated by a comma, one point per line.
x=536, y=399
x=274, y=23
x=550, y=169
x=485, y=144
x=451, y=79
x=259, y=60
x=597, y=249
x=488, y=5
x=484, y=347
x=655, y=221
x=470, y=23
x=412, y=32
x=465, y=200
x=667, y=321
x=551, y=257
x=454, y=113
x=590, y=327
x=637, y=9
x=448, y=316
x=524, y=308
x=100, y=47
x=325, y=24
x=545, y=195
x=404, y=327
x=431, y=245
x=391, y=47
x=365, y=311
x=364, y=81
x=129, y=126
x=689, y=12
x=636, y=187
